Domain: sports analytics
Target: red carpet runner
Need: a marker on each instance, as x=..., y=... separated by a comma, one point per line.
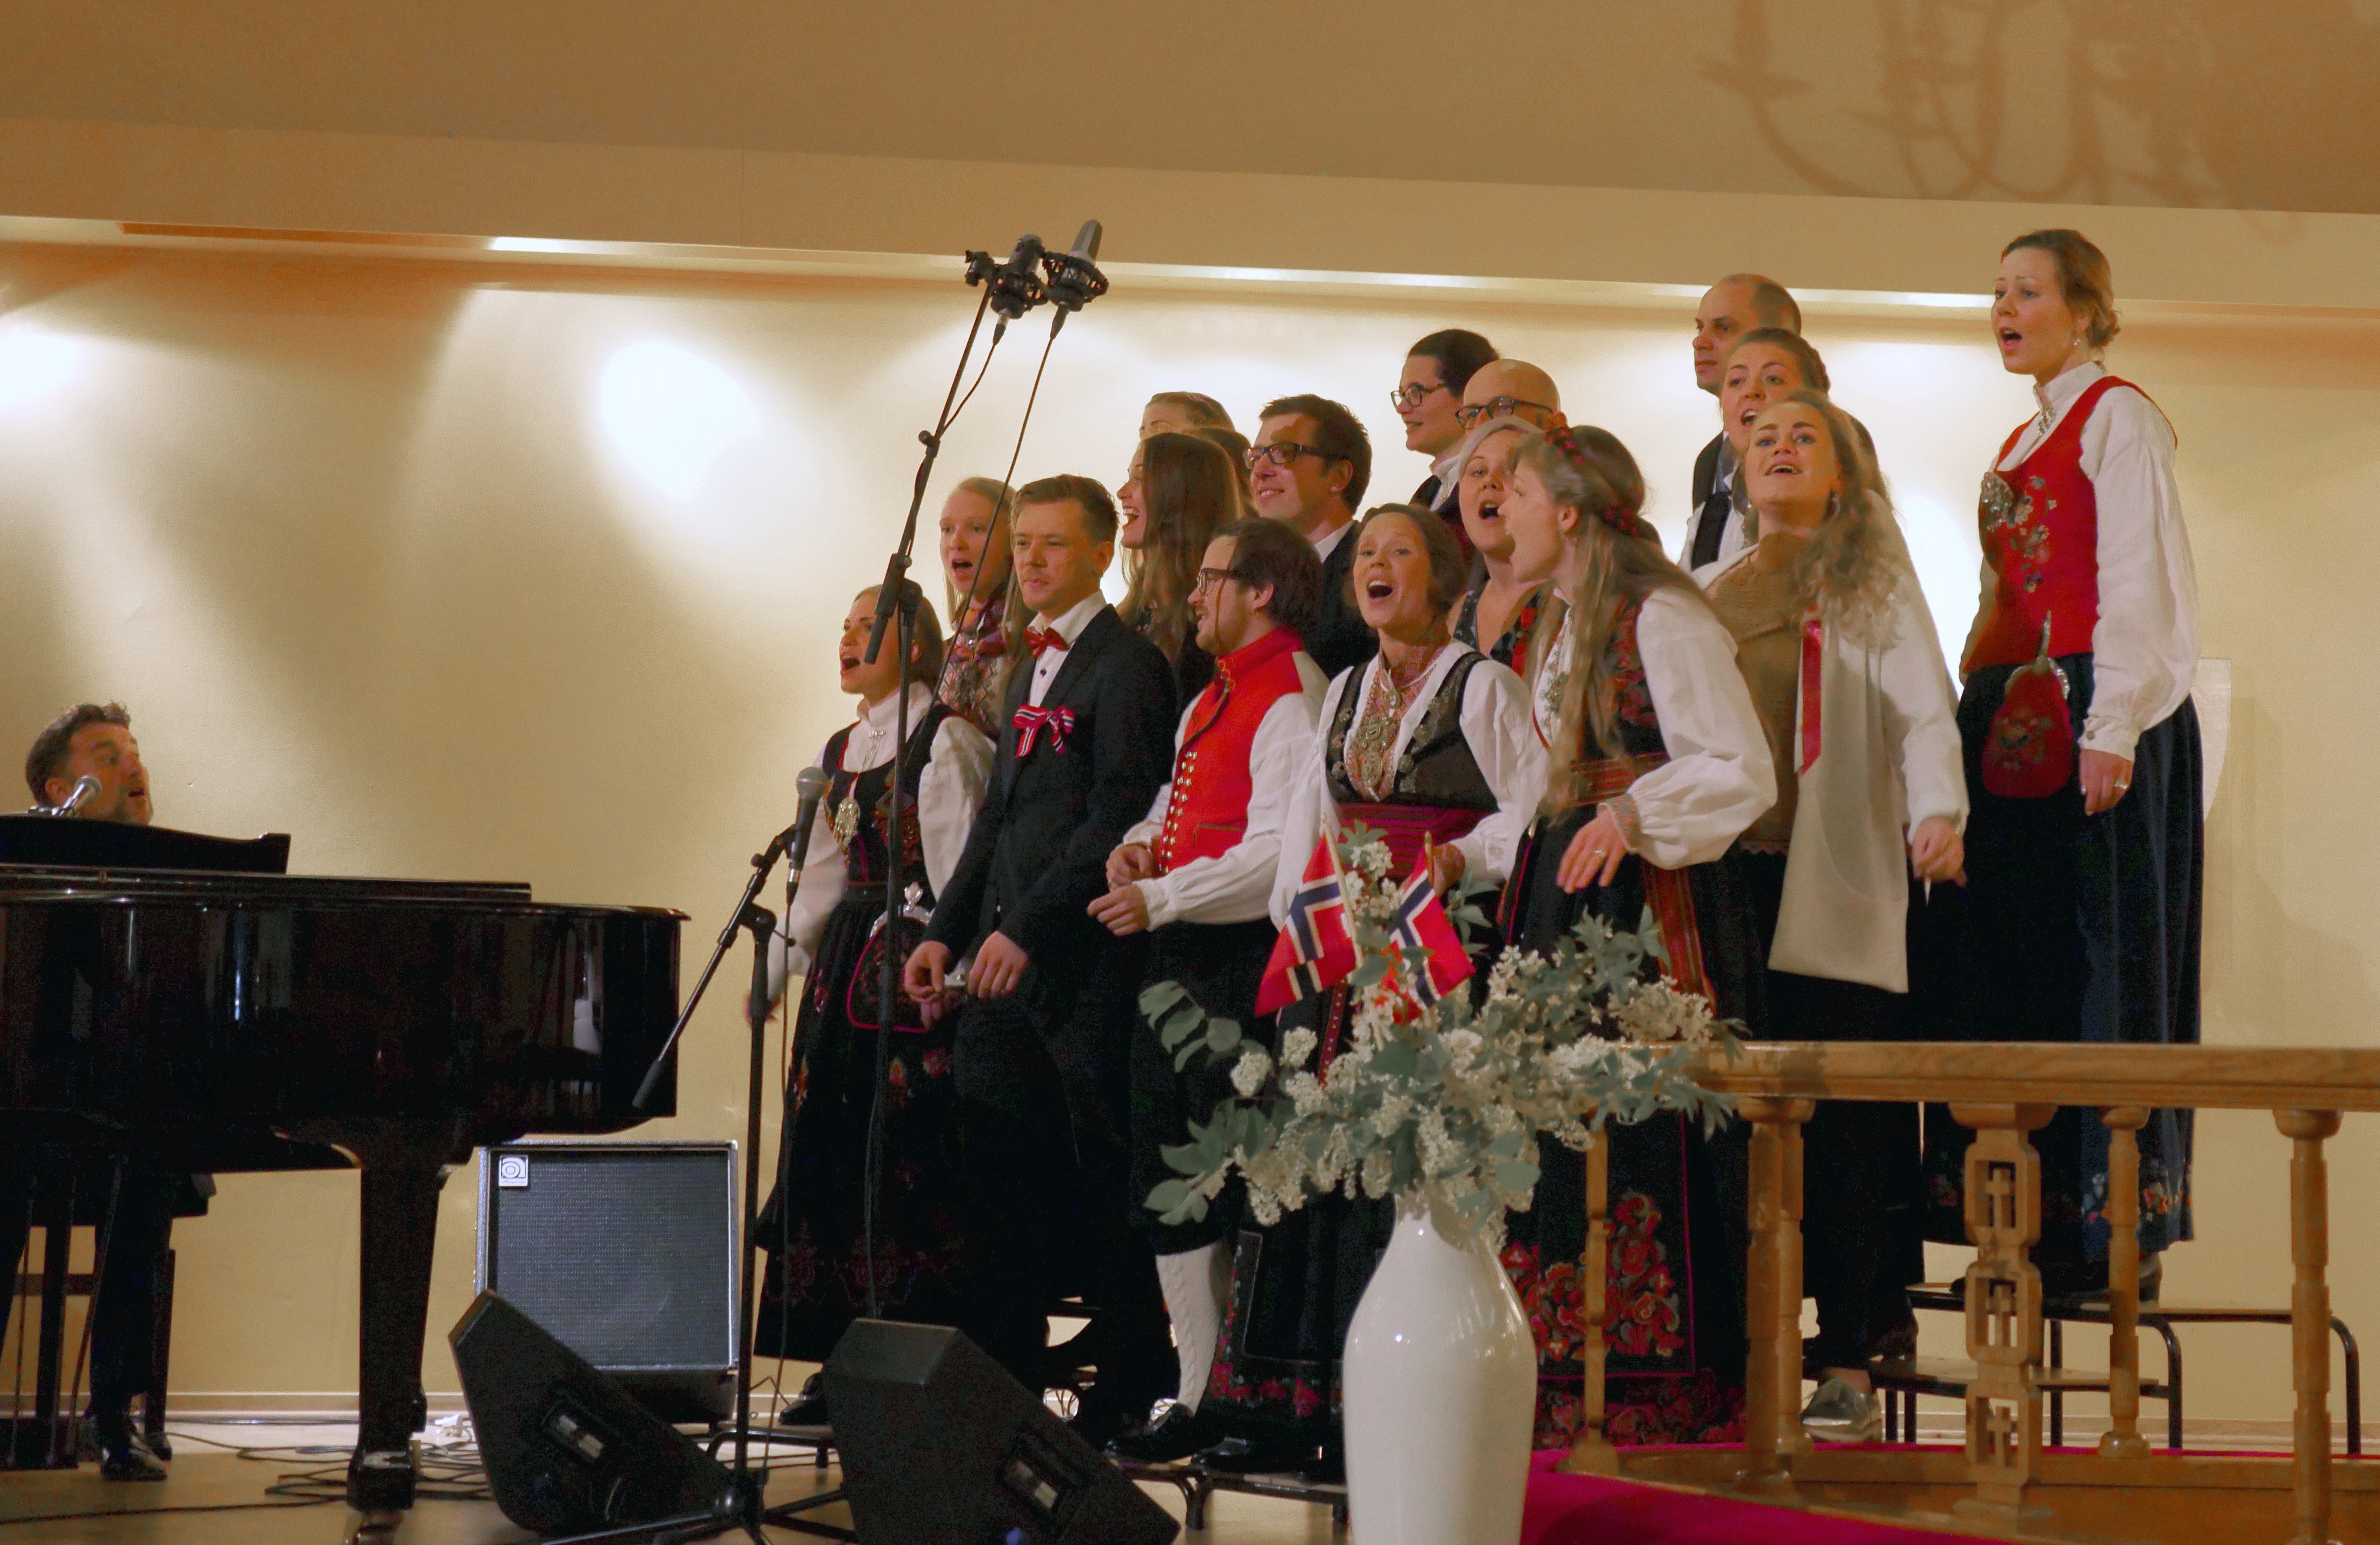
x=1596, y=1510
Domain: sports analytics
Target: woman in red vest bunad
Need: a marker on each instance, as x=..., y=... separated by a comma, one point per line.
x=2084, y=851
x=1655, y=765
x=1427, y=742
x=1834, y=640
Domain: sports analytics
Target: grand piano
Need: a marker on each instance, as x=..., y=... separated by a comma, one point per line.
x=173, y=1001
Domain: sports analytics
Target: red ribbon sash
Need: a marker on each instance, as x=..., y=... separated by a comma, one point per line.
x=1814, y=656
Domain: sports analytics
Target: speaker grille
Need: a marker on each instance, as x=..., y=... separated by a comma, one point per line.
x=626, y=1254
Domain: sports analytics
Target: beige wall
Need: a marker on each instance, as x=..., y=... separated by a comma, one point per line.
x=531, y=573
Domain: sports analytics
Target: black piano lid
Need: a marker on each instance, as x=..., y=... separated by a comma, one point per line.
x=55, y=842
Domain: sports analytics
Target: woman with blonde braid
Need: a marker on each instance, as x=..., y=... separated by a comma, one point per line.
x=1837, y=645
x=1656, y=764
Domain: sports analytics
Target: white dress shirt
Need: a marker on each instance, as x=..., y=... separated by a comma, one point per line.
x=1069, y=625
x=1236, y=887
x=2144, y=651
x=1719, y=779
x=1495, y=718
x=1324, y=545
x=950, y=790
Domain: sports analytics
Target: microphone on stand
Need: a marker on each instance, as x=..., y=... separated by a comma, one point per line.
x=1016, y=286
x=811, y=786
x=1074, y=278
x=86, y=788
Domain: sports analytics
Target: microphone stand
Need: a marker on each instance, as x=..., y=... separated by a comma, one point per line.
x=739, y=1509
x=1010, y=289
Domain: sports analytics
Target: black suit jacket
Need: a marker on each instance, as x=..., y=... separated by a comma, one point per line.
x=1706, y=474
x=1036, y=855
x=1340, y=636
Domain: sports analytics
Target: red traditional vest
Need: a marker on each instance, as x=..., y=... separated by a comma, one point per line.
x=1208, y=813
x=2040, y=526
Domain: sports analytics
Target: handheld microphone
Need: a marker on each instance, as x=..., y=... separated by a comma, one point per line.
x=811, y=786
x=1074, y=278
x=85, y=790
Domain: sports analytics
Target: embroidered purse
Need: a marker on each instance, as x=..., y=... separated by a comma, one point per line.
x=2029, y=748
x=862, y=999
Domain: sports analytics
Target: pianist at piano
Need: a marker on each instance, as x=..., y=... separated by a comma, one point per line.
x=92, y=740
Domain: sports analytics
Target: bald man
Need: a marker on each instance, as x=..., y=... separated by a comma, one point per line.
x=1513, y=388
x=1731, y=308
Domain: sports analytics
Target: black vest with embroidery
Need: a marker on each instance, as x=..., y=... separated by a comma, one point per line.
x=1436, y=768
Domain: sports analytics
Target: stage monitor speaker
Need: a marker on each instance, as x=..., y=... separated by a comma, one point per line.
x=626, y=1252
x=941, y=1446
x=566, y=1450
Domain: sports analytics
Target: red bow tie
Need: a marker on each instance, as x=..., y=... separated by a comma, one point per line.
x=1041, y=638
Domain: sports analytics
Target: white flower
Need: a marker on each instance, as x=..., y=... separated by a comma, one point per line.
x=1657, y=1014
x=1295, y=1047
x=1304, y=1091
x=1248, y=1075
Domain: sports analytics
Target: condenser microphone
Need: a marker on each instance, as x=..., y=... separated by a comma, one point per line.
x=85, y=790
x=811, y=786
x=1016, y=286
x=1075, y=277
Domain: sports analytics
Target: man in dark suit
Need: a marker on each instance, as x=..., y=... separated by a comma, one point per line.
x=1426, y=398
x=1731, y=308
x=1044, y=1032
x=1309, y=466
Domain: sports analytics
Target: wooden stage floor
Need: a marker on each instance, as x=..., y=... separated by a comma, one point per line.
x=210, y=1476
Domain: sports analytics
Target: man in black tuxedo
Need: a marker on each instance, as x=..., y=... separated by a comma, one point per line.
x=1043, y=1036
x=1731, y=308
x=1429, y=394
x=1309, y=466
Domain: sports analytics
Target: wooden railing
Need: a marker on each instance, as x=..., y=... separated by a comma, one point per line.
x=2004, y=1092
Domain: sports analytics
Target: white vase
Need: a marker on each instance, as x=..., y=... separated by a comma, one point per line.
x=1441, y=1385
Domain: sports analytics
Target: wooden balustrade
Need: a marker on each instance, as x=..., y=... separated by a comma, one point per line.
x=2005, y=1091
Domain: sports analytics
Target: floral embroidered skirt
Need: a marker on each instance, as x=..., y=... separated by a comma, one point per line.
x=1674, y=1340
x=2072, y=927
x=817, y=1279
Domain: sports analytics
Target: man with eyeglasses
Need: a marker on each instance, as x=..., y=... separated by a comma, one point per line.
x=1438, y=371
x=1309, y=467
x=1730, y=309
x=1195, y=877
x=1512, y=389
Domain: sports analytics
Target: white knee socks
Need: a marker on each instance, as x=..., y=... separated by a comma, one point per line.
x=1194, y=1282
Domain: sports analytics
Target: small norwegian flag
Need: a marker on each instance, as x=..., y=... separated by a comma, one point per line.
x=1425, y=936
x=1316, y=950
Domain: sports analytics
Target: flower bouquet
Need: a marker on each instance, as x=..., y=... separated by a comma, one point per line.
x=1435, y=1099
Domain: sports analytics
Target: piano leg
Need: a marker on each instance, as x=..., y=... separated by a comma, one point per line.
x=400, y=1222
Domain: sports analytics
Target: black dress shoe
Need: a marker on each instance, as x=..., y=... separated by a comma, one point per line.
x=807, y=1409
x=129, y=1461
x=1249, y=1456
x=1178, y=1435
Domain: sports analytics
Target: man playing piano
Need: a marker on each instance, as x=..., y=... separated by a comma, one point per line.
x=94, y=741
